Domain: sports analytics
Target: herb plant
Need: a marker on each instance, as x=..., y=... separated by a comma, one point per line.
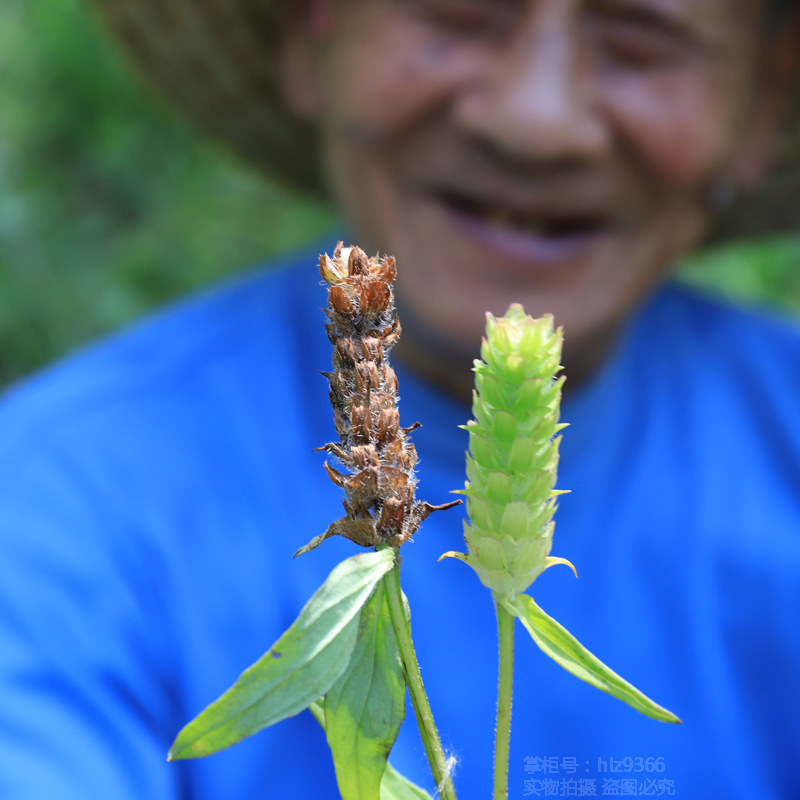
x=349, y=656
x=511, y=498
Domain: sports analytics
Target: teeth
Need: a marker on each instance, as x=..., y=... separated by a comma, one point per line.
x=532, y=224
x=503, y=219
x=532, y=227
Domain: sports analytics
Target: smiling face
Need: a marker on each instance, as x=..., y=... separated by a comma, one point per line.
x=555, y=153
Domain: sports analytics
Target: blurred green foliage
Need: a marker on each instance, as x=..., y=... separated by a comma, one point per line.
x=765, y=272
x=109, y=205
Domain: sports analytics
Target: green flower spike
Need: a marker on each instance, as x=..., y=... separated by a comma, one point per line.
x=511, y=470
x=513, y=454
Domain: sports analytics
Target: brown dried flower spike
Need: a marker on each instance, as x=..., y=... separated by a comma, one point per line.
x=379, y=489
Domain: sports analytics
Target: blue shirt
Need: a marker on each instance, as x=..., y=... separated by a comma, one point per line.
x=154, y=488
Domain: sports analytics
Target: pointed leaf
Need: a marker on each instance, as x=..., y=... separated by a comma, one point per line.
x=393, y=786
x=300, y=666
x=558, y=643
x=366, y=705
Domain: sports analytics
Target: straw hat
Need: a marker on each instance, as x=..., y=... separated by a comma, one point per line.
x=215, y=60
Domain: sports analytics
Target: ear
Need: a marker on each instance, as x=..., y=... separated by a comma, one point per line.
x=780, y=68
x=309, y=25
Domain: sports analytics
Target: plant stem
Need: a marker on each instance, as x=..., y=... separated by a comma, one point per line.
x=419, y=700
x=505, y=630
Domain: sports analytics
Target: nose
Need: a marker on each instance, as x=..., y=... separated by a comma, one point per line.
x=534, y=100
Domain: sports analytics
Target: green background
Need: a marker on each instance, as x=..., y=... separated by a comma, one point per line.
x=110, y=205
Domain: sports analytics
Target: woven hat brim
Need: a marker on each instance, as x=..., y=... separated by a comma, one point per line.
x=215, y=60
x=774, y=206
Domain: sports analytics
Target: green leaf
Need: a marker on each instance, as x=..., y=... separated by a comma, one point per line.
x=393, y=786
x=558, y=643
x=366, y=705
x=304, y=663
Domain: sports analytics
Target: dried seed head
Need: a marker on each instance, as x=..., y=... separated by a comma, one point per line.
x=379, y=489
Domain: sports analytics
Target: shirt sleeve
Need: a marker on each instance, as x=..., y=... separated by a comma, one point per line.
x=87, y=708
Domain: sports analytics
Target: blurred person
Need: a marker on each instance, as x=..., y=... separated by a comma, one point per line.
x=558, y=153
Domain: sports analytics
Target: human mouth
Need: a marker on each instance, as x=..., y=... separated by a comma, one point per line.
x=538, y=237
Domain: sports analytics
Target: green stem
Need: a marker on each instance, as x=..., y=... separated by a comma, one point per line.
x=419, y=700
x=505, y=630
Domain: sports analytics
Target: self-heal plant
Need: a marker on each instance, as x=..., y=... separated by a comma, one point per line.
x=511, y=466
x=349, y=655
x=379, y=490
x=511, y=498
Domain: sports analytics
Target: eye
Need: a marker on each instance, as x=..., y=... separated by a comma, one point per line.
x=466, y=16
x=640, y=37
